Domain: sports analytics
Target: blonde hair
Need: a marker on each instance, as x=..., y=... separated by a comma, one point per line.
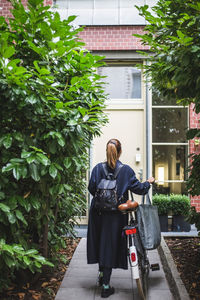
x=113, y=151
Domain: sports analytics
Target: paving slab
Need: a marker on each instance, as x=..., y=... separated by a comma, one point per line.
x=81, y=280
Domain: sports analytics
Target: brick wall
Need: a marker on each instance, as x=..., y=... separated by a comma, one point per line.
x=112, y=37
x=5, y=7
x=194, y=123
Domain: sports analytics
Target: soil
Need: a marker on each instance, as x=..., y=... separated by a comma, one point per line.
x=45, y=285
x=186, y=255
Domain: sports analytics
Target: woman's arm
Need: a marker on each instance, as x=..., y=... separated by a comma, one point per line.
x=137, y=187
x=92, y=182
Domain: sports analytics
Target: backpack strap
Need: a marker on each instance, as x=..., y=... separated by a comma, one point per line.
x=115, y=173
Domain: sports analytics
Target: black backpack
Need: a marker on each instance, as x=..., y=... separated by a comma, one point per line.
x=105, y=198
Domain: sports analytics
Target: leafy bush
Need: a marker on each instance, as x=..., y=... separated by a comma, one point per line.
x=162, y=202
x=193, y=182
x=15, y=257
x=180, y=204
x=51, y=107
x=172, y=34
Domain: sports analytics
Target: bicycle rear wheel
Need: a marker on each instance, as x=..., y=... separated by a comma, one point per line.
x=140, y=289
x=143, y=274
x=139, y=285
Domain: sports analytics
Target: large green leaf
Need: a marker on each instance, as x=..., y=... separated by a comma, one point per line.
x=35, y=202
x=8, y=248
x=32, y=99
x=53, y=171
x=9, y=260
x=67, y=162
x=7, y=141
x=43, y=159
x=20, y=216
x=9, y=52
x=27, y=260
x=34, y=172
x=4, y=208
x=25, y=203
x=11, y=218
x=7, y=168
x=17, y=171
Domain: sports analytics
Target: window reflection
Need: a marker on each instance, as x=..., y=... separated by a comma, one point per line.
x=169, y=125
x=159, y=99
x=122, y=82
x=171, y=187
x=170, y=163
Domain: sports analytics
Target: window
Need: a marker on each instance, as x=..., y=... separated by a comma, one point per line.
x=170, y=146
x=124, y=81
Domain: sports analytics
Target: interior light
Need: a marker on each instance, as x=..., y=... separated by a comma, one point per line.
x=161, y=175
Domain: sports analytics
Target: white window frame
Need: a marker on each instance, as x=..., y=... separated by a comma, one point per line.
x=168, y=143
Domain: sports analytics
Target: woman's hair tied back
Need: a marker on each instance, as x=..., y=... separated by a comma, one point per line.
x=113, y=151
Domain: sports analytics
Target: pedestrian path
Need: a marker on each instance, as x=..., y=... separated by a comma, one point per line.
x=80, y=281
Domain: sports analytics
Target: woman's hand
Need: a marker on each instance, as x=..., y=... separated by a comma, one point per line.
x=151, y=180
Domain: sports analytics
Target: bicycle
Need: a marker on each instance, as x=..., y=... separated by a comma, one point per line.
x=137, y=255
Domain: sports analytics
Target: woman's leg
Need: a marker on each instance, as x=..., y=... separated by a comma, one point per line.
x=107, y=290
x=106, y=275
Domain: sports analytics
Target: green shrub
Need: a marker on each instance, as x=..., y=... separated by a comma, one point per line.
x=51, y=107
x=180, y=204
x=162, y=202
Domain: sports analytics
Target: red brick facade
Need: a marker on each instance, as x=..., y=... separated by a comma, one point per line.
x=5, y=7
x=112, y=38
x=194, y=123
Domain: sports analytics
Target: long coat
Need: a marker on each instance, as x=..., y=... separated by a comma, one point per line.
x=106, y=244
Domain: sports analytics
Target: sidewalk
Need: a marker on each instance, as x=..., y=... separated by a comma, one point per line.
x=80, y=281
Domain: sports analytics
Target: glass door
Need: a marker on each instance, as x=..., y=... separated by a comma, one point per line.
x=169, y=145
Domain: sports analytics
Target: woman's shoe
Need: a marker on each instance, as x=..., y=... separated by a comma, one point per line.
x=105, y=293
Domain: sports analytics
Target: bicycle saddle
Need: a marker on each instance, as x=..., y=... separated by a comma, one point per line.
x=129, y=205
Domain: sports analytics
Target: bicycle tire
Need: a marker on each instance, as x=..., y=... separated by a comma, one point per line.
x=140, y=289
x=139, y=286
x=144, y=282
x=143, y=273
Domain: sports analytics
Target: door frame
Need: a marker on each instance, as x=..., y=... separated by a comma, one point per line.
x=128, y=58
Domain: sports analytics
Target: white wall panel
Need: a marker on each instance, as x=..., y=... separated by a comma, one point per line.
x=104, y=12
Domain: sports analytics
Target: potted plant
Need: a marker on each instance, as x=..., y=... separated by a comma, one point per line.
x=180, y=206
x=162, y=202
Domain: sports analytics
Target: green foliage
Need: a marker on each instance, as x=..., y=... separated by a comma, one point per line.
x=15, y=256
x=193, y=182
x=179, y=204
x=162, y=202
x=193, y=217
x=51, y=107
x=172, y=34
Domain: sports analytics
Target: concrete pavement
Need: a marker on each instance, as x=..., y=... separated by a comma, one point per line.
x=80, y=281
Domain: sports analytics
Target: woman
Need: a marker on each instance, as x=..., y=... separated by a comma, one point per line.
x=105, y=243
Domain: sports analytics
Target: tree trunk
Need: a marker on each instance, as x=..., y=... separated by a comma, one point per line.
x=45, y=231
x=45, y=239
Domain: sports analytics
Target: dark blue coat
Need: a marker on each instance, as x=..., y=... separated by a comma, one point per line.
x=106, y=244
